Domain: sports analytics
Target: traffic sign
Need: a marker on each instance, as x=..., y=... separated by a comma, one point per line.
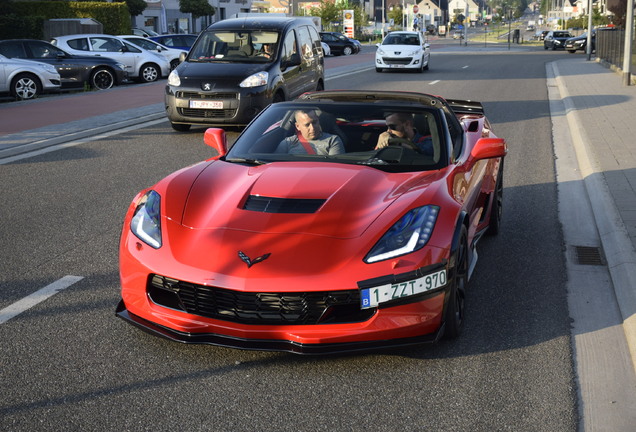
x=416, y=9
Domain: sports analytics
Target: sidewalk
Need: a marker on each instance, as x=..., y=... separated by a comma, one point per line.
x=601, y=113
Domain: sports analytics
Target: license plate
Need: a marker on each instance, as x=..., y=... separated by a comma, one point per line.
x=372, y=297
x=396, y=66
x=206, y=104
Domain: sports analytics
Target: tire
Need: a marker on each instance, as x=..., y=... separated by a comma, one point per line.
x=149, y=73
x=278, y=97
x=545, y=47
x=378, y=70
x=571, y=51
x=25, y=86
x=496, y=208
x=102, y=79
x=427, y=63
x=454, y=316
x=347, y=50
x=180, y=127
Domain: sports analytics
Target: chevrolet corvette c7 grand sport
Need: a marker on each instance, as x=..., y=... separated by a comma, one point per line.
x=264, y=248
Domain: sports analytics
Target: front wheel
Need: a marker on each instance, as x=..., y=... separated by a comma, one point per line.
x=454, y=316
x=347, y=50
x=179, y=127
x=378, y=70
x=496, y=208
x=149, y=73
x=102, y=79
x=25, y=86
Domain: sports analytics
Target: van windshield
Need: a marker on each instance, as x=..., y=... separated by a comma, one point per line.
x=245, y=46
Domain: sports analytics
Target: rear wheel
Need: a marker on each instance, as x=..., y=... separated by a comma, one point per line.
x=149, y=73
x=102, y=79
x=347, y=50
x=496, y=208
x=454, y=317
x=25, y=86
x=179, y=127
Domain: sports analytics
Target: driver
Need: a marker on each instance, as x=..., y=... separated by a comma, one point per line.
x=309, y=137
x=400, y=131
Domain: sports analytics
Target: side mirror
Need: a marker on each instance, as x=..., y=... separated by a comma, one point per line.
x=215, y=138
x=294, y=60
x=489, y=148
x=182, y=56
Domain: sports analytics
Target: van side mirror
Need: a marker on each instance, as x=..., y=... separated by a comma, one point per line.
x=293, y=60
x=215, y=138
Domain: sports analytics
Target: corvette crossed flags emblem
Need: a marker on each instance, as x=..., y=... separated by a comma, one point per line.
x=256, y=260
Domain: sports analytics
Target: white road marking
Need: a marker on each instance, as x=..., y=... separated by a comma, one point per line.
x=465, y=67
x=37, y=297
x=433, y=82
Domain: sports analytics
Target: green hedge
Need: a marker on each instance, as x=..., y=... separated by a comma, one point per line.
x=27, y=19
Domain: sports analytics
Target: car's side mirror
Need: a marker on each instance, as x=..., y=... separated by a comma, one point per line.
x=182, y=57
x=293, y=60
x=215, y=138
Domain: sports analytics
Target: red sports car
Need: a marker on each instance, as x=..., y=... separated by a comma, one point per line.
x=353, y=239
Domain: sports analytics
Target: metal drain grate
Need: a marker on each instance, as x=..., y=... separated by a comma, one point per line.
x=588, y=255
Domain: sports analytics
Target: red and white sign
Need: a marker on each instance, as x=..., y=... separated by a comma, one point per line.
x=416, y=9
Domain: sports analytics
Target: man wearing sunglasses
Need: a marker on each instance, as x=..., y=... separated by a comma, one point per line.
x=400, y=131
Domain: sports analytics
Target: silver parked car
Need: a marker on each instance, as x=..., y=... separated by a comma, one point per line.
x=142, y=65
x=26, y=79
x=171, y=54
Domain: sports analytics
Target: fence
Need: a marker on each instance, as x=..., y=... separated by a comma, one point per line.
x=610, y=47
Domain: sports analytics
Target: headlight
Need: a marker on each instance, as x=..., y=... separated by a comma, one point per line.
x=380, y=51
x=407, y=235
x=258, y=79
x=173, y=79
x=146, y=221
x=413, y=53
x=48, y=68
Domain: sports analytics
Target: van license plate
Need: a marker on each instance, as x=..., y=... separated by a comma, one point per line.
x=206, y=104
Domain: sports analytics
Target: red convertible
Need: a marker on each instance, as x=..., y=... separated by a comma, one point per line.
x=333, y=244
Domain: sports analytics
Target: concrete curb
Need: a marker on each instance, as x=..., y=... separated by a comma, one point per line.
x=619, y=251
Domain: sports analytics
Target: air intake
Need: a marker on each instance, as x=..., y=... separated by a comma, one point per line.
x=282, y=205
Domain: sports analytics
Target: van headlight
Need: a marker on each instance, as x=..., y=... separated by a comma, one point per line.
x=258, y=79
x=173, y=79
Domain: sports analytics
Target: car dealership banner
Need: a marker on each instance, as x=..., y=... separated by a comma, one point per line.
x=347, y=23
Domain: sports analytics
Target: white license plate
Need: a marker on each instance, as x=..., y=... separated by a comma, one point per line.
x=372, y=297
x=206, y=104
x=396, y=66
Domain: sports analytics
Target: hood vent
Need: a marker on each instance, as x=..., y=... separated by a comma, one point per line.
x=282, y=205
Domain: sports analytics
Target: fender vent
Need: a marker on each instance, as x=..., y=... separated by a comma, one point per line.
x=588, y=255
x=282, y=205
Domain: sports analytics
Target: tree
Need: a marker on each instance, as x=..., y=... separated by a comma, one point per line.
x=197, y=8
x=136, y=7
x=619, y=8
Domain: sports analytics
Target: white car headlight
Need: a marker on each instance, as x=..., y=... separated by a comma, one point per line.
x=380, y=51
x=414, y=53
x=173, y=79
x=258, y=79
x=146, y=222
x=407, y=235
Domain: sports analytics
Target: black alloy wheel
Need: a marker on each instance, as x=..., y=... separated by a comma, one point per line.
x=496, y=208
x=102, y=79
x=454, y=317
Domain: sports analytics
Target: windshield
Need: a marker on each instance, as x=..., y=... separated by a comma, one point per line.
x=246, y=46
x=348, y=133
x=401, y=39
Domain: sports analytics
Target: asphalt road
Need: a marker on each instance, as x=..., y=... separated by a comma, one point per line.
x=69, y=364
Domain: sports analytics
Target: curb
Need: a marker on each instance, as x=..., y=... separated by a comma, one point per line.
x=619, y=251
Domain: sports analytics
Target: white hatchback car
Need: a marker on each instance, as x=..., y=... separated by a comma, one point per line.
x=403, y=50
x=171, y=54
x=26, y=79
x=143, y=65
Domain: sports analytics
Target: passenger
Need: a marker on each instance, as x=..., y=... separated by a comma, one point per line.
x=400, y=131
x=309, y=137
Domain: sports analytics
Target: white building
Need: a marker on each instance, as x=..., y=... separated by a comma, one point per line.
x=456, y=7
x=163, y=16
x=430, y=13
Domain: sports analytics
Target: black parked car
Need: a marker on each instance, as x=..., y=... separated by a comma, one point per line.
x=556, y=39
x=75, y=71
x=574, y=44
x=339, y=43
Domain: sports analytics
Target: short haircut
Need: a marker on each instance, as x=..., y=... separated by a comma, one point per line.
x=401, y=116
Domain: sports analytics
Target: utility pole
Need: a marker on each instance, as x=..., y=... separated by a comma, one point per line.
x=627, y=53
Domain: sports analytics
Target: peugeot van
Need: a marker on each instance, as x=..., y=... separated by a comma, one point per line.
x=239, y=66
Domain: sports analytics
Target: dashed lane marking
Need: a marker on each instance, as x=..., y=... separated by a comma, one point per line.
x=39, y=296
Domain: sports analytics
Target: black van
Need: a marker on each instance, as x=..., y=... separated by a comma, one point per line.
x=239, y=66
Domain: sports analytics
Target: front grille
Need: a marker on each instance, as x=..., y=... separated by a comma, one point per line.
x=397, y=60
x=282, y=205
x=213, y=96
x=207, y=113
x=264, y=308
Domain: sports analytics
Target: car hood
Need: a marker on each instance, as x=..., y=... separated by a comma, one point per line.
x=331, y=200
x=218, y=71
